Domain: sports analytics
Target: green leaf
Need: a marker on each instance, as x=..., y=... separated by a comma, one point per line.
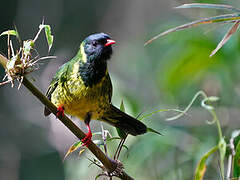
x=73, y=148
x=100, y=175
x=17, y=34
x=10, y=32
x=96, y=133
x=125, y=147
x=215, y=19
x=113, y=138
x=222, y=149
x=222, y=18
x=48, y=34
x=208, y=6
x=28, y=46
x=154, y=131
x=81, y=151
x=98, y=142
x=236, y=164
x=201, y=166
x=122, y=108
x=13, y=62
x=120, y=132
x=236, y=159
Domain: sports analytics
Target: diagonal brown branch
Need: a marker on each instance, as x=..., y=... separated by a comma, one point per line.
x=109, y=164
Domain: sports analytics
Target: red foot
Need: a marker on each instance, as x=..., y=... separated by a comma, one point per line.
x=87, y=139
x=60, y=111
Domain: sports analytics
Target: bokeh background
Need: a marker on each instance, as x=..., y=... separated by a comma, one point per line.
x=165, y=74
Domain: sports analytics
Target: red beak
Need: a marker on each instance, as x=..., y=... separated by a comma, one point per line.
x=110, y=42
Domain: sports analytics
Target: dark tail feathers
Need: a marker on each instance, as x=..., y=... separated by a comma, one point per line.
x=123, y=121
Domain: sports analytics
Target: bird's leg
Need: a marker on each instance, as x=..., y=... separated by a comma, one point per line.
x=60, y=111
x=86, y=140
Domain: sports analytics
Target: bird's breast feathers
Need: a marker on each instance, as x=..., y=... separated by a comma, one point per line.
x=79, y=99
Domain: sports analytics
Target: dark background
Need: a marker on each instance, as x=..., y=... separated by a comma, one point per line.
x=165, y=74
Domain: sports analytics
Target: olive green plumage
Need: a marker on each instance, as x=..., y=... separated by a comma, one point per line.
x=83, y=86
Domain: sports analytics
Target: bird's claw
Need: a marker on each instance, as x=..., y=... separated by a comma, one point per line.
x=60, y=111
x=87, y=139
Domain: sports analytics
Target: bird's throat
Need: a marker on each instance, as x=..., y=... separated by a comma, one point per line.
x=92, y=72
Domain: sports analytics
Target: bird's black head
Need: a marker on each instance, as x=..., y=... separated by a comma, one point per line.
x=95, y=50
x=98, y=47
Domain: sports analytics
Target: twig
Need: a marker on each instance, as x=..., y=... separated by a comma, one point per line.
x=121, y=145
x=109, y=164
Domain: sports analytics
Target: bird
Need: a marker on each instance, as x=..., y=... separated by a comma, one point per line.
x=82, y=88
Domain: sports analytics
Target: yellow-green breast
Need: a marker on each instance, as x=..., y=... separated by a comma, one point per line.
x=79, y=99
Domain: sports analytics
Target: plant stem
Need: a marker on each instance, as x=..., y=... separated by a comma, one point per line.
x=109, y=164
x=218, y=126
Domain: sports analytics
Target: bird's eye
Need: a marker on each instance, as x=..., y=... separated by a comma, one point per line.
x=94, y=43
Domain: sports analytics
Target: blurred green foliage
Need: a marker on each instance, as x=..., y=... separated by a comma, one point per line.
x=165, y=74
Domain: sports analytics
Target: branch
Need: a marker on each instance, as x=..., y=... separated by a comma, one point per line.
x=109, y=164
